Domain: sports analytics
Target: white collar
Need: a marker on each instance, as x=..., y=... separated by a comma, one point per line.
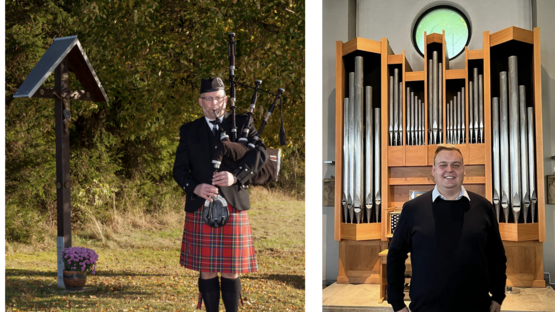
x=210, y=124
x=436, y=194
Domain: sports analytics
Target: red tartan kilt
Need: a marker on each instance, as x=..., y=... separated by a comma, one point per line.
x=228, y=249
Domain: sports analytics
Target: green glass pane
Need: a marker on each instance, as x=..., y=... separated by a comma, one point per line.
x=435, y=21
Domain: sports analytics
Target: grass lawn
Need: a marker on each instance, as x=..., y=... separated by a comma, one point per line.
x=139, y=270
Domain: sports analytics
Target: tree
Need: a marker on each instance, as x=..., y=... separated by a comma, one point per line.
x=150, y=56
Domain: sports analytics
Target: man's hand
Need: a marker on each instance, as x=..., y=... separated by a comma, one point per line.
x=405, y=309
x=206, y=191
x=223, y=178
x=494, y=307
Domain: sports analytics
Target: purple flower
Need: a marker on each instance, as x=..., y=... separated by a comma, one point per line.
x=84, y=257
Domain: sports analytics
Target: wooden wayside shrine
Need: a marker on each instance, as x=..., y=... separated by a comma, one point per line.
x=63, y=55
x=407, y=167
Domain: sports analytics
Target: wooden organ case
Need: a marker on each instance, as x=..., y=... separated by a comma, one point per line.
x=406, y=167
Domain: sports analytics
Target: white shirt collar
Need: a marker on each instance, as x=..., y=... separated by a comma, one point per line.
x=210, y=124
x=436, y=194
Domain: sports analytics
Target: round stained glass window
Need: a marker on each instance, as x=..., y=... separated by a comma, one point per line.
x=436, y=20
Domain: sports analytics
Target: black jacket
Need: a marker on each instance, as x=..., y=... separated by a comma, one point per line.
x=193, y=163
x=457, y=255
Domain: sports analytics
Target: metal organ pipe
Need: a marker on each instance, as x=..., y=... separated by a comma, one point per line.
x=524, y=152
x=377, y=168
x=351, y=143
x=369, y=157
x=496, y=157
x=504, y=136
x=346, y=171
x=532, y=167
x=358, y=199
x=514, y=137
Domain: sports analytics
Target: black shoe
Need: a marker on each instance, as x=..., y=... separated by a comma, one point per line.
x=210, y=291
x=231, y=294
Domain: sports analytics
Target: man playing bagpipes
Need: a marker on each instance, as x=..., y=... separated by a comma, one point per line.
x=226, y=248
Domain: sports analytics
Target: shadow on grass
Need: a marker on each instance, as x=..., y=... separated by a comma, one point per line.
x=44, y=291
x=16, y=272
x=295, y=281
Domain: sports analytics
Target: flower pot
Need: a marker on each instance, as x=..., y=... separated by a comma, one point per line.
x=75, y=280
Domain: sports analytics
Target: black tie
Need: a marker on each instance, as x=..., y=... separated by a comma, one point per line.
x=214, y=125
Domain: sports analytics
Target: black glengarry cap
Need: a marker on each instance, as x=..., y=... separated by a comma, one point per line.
x=211, y=84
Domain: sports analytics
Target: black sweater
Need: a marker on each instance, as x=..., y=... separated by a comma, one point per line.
x=456, y=251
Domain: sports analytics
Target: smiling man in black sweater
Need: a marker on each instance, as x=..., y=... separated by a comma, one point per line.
x=456, y=251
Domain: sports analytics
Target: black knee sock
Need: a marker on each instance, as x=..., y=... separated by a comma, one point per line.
x=210, y=292
x=231, y=294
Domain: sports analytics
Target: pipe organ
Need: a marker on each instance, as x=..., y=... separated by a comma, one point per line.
x=389, y=120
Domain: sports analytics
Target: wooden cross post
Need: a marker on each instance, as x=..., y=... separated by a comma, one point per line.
x=63, y=183
x=63, y=54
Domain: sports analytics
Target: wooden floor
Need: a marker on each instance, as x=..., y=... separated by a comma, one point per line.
x=365, y=297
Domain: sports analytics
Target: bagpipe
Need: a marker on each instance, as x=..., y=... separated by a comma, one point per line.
x=233, y=150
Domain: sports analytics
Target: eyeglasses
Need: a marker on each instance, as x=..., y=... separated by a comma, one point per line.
x=209, y=99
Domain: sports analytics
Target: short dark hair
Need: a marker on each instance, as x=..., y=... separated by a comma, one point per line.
x=447, y=147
